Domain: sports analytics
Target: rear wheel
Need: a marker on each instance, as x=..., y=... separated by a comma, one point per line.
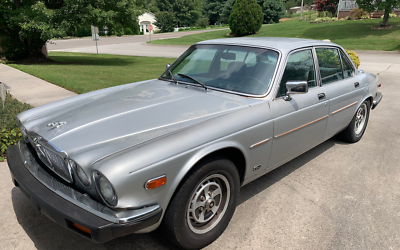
x=358, y=124
x=203, y=205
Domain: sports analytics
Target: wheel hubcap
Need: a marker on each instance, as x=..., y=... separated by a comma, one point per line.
x=361, y=117
x=208, y=203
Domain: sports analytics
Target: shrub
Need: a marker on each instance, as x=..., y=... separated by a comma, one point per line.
x=348, y=18
x=342, y=19
x=354, y=58
x=246, y=18
x=333, y=19
x=166, y=21
x=128, y=31
x=9, y=131
x=391, y=15
x=273, y=10
x=82, y=31
x=202, y=22
x=358, y=13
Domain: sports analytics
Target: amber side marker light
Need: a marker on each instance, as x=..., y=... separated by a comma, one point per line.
x=156, y=182
x=82, y=228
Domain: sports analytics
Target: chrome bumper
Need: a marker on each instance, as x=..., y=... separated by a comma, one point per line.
x=81, y=200
x=377, y=100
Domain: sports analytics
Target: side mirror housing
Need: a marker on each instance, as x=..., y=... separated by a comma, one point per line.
x=295, y=87
x=167, y=66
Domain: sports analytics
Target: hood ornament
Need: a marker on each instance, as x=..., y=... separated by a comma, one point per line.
x=56, y=124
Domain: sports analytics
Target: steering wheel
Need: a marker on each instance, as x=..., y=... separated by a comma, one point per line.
x=254, y=79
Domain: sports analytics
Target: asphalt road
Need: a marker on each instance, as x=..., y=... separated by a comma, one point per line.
x=336, y=196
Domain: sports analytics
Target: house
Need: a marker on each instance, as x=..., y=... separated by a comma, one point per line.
x=294, y=10
x=345, y=7
x=146, y=19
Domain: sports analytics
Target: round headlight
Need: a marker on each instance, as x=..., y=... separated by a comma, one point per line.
x=83, y=178
x=106, y=190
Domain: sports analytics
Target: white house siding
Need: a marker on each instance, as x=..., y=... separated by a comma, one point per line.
x=144, y=20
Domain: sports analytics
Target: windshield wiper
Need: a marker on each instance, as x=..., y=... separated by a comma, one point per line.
x=173, y=77
x=191, y=78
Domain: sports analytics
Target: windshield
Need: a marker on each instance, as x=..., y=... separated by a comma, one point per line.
x=240, y=69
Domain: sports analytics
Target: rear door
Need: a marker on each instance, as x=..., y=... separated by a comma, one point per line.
x=342, y=87
x=299, y=124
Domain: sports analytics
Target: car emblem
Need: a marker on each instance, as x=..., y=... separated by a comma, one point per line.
x=56, y=124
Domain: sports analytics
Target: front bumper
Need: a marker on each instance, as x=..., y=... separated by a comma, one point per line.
x=64, y=205
x=377, y=99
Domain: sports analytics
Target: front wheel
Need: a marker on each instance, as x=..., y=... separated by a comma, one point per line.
x=203, y=205
x=358, y=124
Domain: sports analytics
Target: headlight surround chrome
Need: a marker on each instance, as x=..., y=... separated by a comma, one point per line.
x=106, y=190
x=82, y=176
x=24, y=132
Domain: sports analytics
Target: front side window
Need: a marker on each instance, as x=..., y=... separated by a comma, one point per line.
x=240, y=69
x=329, y=65
x=348, y=69
x=299, y=67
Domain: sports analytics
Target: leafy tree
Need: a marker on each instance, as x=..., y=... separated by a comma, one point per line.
x=246, y=17
x=186, y=12
x=327, y=5
x=226, y=11
x=202, y=22
x=165, y=21
x=373, y=5
x=213, y=10
x=273, y=10
x=25, y=26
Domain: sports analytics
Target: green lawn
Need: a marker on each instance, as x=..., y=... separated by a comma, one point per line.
x=82, y=73
x=354, y=35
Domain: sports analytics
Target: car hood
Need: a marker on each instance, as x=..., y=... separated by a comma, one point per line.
x=130, y=115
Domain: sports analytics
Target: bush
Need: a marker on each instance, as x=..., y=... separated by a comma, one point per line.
x=128, y=31
x=354, y=58
x=9, y=131
x=246, y=18
x=348, y=18
x=82, y=31
x=202, y=22
x=391, y=15
x=273, y=10
x=166, y=21
x=358, y=13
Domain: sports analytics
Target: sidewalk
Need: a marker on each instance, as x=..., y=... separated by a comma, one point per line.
x=30, y=89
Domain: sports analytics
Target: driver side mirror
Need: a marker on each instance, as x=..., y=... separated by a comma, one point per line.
x=295, y=87
x=167, y=66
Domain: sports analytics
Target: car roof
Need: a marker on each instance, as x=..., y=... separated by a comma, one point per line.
x=283, y=44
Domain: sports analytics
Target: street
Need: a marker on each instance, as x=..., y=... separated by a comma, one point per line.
x=336, y=196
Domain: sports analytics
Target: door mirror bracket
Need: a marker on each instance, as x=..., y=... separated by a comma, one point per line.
x=295, y=87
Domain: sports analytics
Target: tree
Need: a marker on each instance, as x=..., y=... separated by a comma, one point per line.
x=226, y=11
x=25, y=26
x=186, y=12
x=246, y=17
x=373, y=5
x=327, y=5
x=213, y=10
x=273, y=10
x=165, y=21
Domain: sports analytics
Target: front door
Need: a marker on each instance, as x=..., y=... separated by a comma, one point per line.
x=299, y=124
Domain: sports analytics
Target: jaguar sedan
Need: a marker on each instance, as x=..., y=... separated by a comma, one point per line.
x=172, y=153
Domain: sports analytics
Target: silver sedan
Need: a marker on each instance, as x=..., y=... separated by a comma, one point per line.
x=173, y=152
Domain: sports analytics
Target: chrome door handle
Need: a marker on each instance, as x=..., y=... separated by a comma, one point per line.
x=356, y=84
x=321, y=96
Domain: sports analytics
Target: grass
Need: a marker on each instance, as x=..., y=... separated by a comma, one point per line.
x=83, y=73
x=353, y=35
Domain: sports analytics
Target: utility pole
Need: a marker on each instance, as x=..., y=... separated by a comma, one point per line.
x=301, y=13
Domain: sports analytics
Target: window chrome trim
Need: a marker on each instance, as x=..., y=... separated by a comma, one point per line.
x=230, y=91
x=284, y=63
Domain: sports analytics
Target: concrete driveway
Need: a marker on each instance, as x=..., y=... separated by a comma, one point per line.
x=336, y=196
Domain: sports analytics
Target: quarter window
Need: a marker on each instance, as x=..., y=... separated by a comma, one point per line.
x=299, y=67
x=329, y=65
x=348, y=69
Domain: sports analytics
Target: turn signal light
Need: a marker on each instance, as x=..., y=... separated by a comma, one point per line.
x=82, y=228
x=156, y=182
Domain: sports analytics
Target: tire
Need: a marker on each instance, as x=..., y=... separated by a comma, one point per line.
x=194, y=219
x=355, y=130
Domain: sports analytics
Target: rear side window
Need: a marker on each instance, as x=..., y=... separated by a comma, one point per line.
x=299, y=67
x=348, y=69
x=329, y=65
